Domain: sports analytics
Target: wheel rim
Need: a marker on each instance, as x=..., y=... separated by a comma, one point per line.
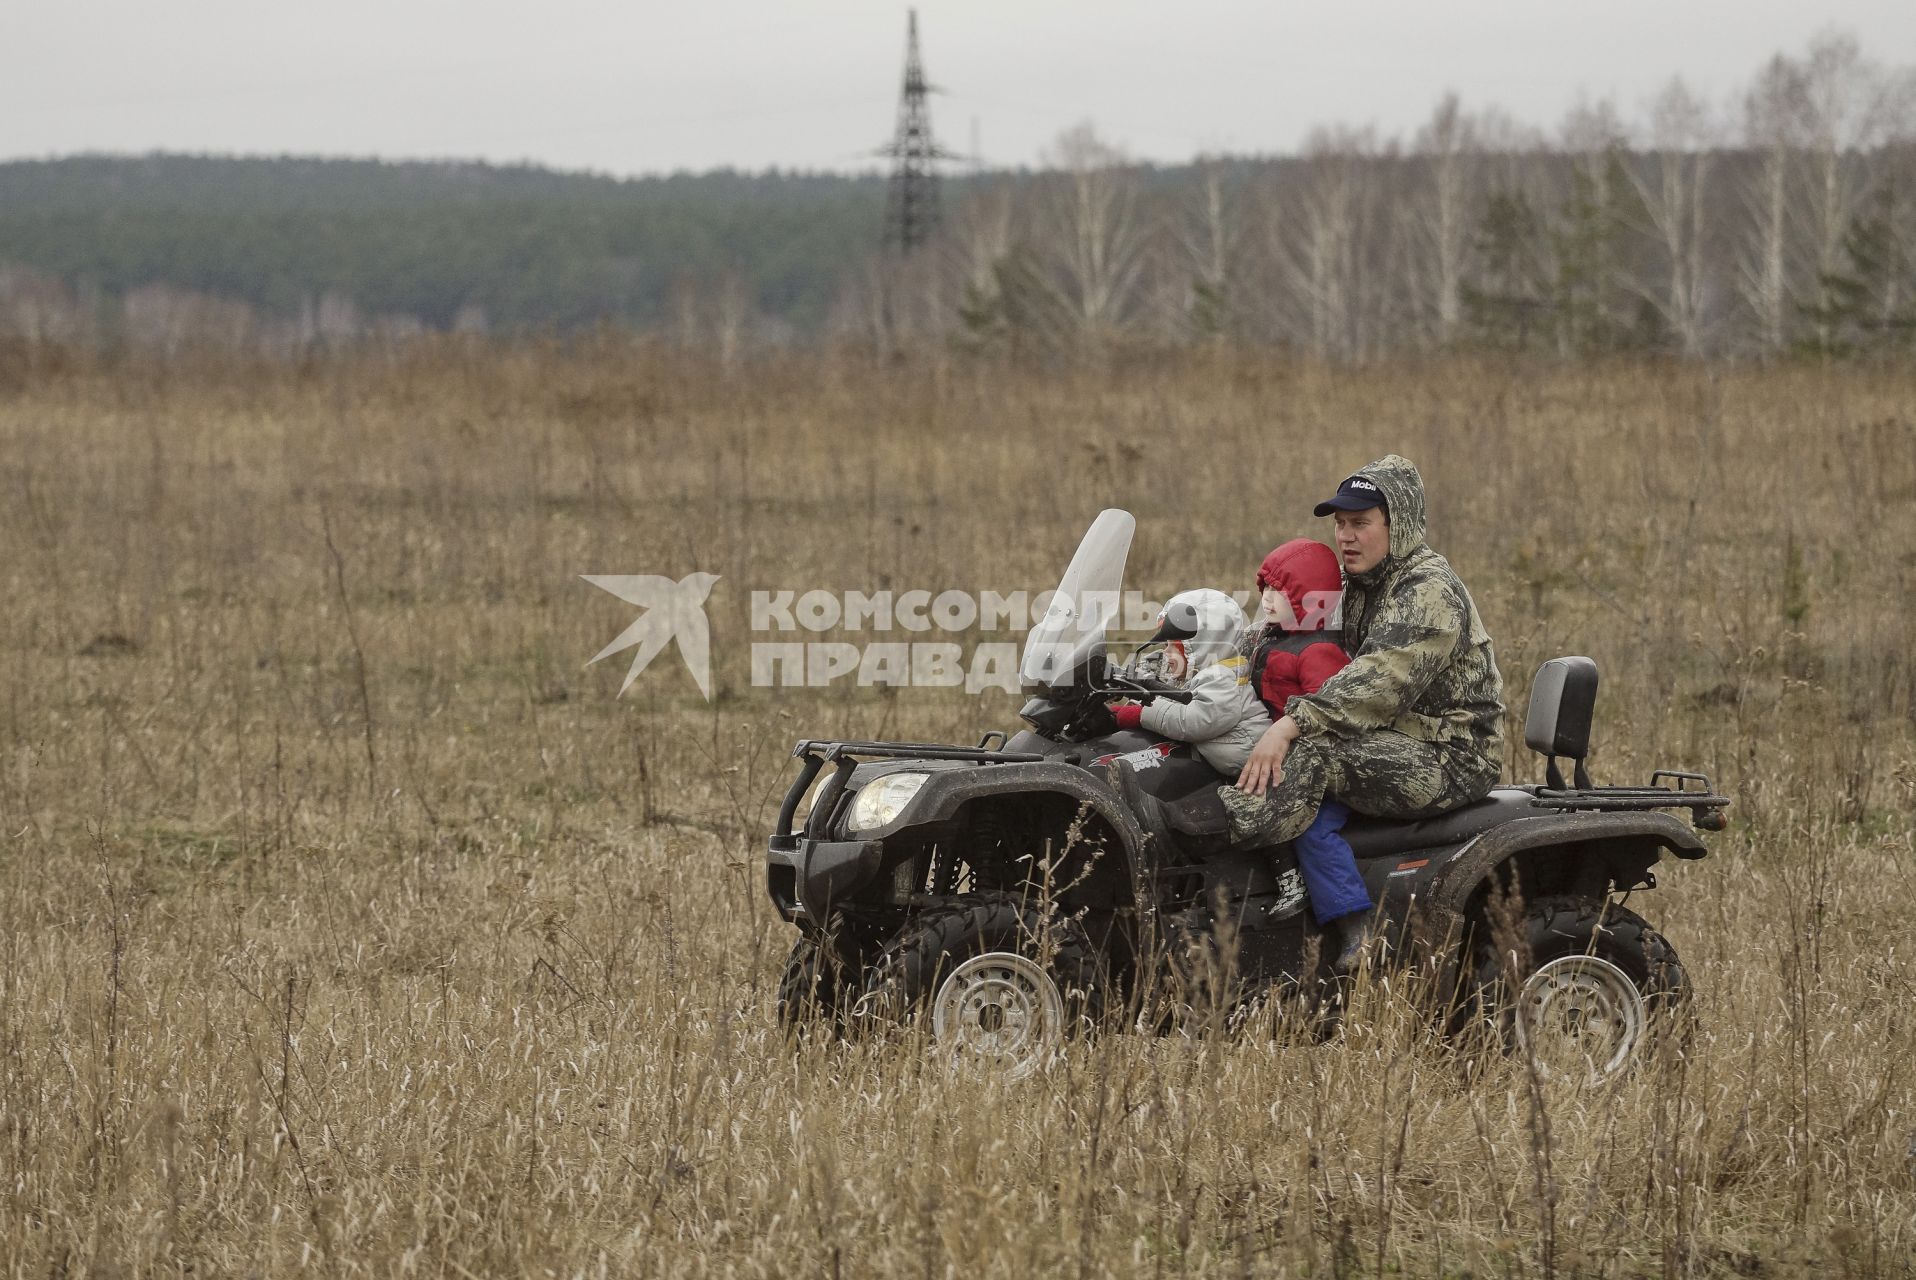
x=999, y=1009
x=1580, y=1018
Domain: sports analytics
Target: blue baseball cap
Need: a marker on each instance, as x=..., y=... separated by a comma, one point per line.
x=1356, y=494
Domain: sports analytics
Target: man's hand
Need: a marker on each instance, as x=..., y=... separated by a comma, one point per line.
x=1265, y=768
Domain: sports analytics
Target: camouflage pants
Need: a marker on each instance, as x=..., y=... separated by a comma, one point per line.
x=1384, y=774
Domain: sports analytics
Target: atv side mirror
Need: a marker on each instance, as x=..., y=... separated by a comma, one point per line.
x=1563, y=698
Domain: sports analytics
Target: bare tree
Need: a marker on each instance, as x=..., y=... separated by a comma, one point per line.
x=38, y=308
x=1896, y=311
x=333, y=318
x=1448, y=147
x=1209, y=234
x=1849, y=107
x=1322, y=240
x=1093, y=238
x=1772, y=122
x=165, y=321
x=1672, y=191
x=1589, y=268
x=856, y=317
x=731, y=320
x=1819, y=125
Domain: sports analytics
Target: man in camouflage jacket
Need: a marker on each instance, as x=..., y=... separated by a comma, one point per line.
x=1413, y=726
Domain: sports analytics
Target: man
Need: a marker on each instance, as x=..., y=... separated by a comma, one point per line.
x=1413, y=726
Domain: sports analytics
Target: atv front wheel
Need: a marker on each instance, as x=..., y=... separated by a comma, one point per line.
x=1585, y=989
x=819, y=983
x=1003, y=982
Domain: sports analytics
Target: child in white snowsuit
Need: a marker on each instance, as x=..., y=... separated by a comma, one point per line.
x=1224, y=718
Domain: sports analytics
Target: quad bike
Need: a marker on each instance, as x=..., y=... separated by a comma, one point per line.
x=1016, y=892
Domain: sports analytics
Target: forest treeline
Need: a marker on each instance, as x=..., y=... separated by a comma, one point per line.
x=350, y=245
x=1783, y=221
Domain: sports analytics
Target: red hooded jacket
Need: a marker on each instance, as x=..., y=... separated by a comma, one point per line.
x=1296, y=655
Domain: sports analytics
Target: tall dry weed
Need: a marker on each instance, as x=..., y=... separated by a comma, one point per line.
x=351, y=924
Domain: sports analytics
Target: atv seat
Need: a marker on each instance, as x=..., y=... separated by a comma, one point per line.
x=1379, y=837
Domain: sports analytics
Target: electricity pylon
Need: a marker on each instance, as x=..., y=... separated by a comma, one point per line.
x=911, y=205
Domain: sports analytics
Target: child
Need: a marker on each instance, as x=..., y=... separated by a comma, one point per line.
x=1295, y=650
x=1200, y=631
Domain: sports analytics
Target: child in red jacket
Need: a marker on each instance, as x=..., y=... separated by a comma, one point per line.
x=1296, y=651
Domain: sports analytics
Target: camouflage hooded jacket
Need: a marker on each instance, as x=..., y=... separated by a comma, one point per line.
x=1421, y=660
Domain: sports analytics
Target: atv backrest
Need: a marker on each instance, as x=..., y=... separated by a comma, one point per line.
x=1562, y=700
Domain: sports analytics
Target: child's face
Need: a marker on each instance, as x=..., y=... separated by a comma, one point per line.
x=1273, y=606
x=1175, y=663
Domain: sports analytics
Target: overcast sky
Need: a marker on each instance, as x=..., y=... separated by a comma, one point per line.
x=637, y=86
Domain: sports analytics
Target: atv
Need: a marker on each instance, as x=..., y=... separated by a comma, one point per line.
x=1016, y=892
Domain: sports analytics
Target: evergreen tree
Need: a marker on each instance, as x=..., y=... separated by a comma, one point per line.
x=1586, y=238
x=1870, y=301
x=1506, y=307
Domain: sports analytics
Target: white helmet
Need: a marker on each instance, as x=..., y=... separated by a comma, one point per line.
x=1206, y=620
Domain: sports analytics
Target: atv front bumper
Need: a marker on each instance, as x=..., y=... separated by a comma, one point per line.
x=805, y=876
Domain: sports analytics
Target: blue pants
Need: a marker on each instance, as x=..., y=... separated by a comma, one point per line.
x=1329, y=867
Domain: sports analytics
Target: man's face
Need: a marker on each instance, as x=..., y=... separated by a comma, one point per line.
x=1363, y=538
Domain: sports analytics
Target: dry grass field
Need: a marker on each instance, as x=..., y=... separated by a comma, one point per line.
x=352, y=926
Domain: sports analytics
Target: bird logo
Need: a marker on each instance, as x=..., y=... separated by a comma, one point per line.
x=674, y=612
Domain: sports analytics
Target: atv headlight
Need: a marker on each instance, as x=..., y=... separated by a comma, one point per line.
x=884, y=799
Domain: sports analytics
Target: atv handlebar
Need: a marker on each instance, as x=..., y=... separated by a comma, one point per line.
x=1120, y=684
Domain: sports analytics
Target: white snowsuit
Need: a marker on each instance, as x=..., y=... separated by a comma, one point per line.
x=1224, y=718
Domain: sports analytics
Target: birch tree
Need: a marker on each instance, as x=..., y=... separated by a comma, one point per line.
x=1209, y=234
x=1447, y=145
x=1094, y=241
x=1585, y=240
x=37, y=308
x=1323, y=239
x=1672, y=191
x=1772, y=121
x=1849, y=106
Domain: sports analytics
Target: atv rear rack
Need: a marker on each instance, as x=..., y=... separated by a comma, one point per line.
x=1705, y=805
x=817, y=753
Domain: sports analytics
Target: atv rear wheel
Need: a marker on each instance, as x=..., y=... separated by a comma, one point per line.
x=1586, y=987
x=1003, y=982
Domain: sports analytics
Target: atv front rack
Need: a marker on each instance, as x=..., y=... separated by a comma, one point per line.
x=845, y=755
x=1705, y=805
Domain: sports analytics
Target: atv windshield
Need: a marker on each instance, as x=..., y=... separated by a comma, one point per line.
x=1084, y=605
